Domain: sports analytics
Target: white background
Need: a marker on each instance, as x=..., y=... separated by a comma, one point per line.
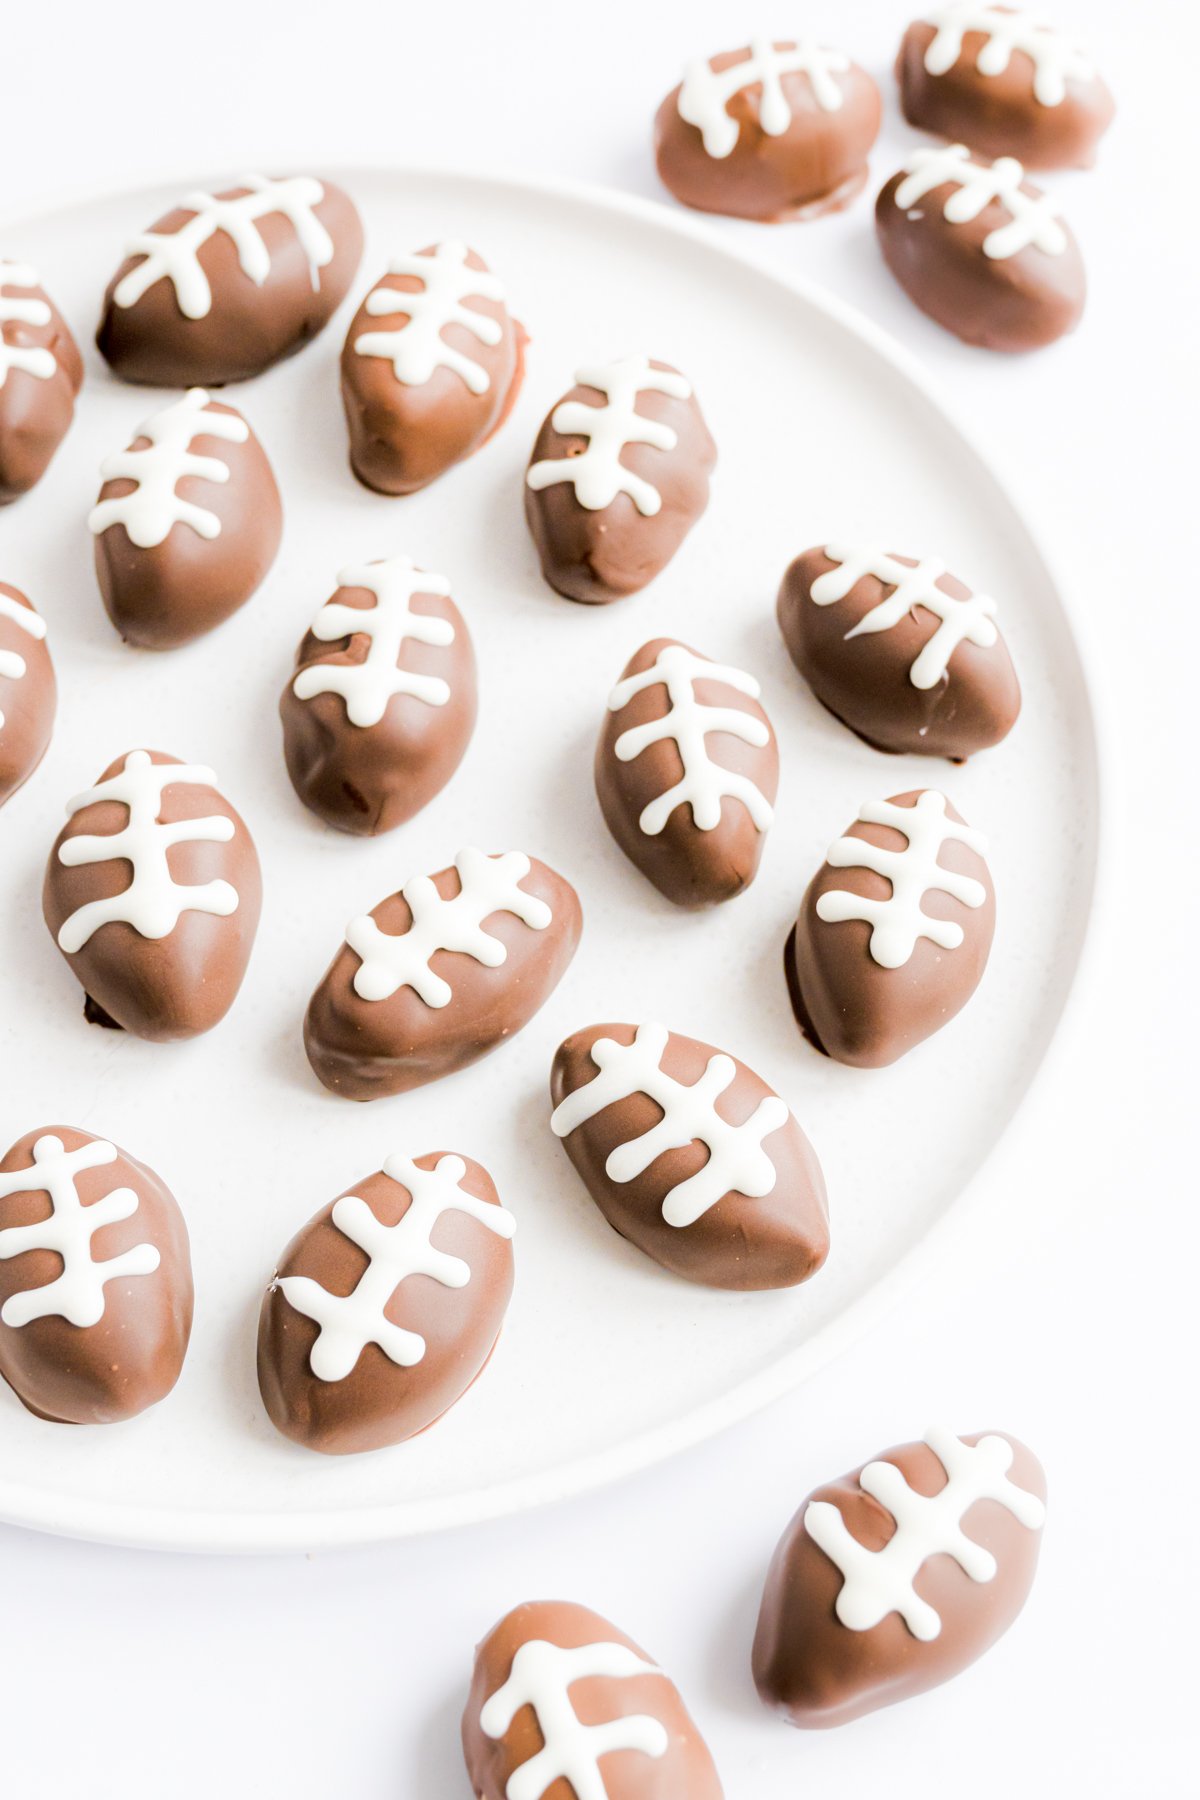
x=138, y=1675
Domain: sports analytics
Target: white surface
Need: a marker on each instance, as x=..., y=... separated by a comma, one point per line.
x=1077, y=1339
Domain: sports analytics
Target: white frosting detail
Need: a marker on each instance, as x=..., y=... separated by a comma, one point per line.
x=154, y=901
x=913, y=872
x=349, y=1323
x=489, y=884
x=12, y=663
x=737, y=1162
x=77, y=1294
x=1035, y=217
x=970, y=621
x=23, y=309
x=1056, y=60
x=879, y=1582
x=368, y=686
x=541, y=1676
x=599, y=475
x=705, y=93
x=688, y=722
x=418, y=347
x=174, y=255
x=149, y=512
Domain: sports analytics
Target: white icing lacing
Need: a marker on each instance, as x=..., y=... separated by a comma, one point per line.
x=418, y=347
x=879, y=1582
x=688, y=722
x=77, y=1292
x=153, y=507
x=489, y=884
x=23, y=309
x=705, y=94
x=1034, y=220
x=541, y=1677
x=969, y=621
x=913, y=872
x=598, y=475
x=737, y=1162
x=154, y=901
x=12, y=663
x=350, y=1322
x=368, y=686
x=1056, y=60
x=174, y=255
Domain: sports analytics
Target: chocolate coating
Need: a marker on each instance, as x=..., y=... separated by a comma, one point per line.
x=817, y=1671
x=36, y=409
x=130, y=1356
x=681, y=1767
x=28, y=693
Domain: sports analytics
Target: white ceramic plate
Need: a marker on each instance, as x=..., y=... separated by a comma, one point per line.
x=825, y=431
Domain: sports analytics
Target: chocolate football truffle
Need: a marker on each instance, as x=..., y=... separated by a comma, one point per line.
x=440, y=973
x=892, y=1579
x=687, y=769
x=899, y=650
x=226, y=284
x=28, y=695
x=187, y=523
x=691, y=1156
x=152, y=893
x=41, y=372
x=1006, y=83
x=774, y=132
x=981, y=250
x=381, y=709
x=95, y=1279
x=352, y=1353
x=562, y=1703
x=894, y=932
x=619, y=475
x=431, y=367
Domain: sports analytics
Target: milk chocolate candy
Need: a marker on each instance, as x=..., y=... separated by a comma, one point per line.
x=28, y=695
x=774, y=132
x=619, y=475
x=981, y=250
x=382, y=705
x=894, y=931
x=431, y=367
x=687, y=769
x=226, y=284
x=187, y=523
x=892, y=1579
x=1006, y=83
x=95, y=1279
x=40, y=374
x=562, y=1704
x=691, y=1156
x=440, y=973
x=152, y=893
x=899, y=650
x=386, y=1307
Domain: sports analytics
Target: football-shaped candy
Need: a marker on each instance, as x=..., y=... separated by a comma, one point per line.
x=894, y=931
x=691, y=1156
x=152, y=893
x=892, y=1579
x=440, y=973
x=226, y=284
x=1004, y=82
x=41, y=372
x=28, y=695
x=386, y=1306
x=562, y=1704
x=431, y=368
x=619, y=475
x=899, y=650
x=382, y=705
x=687, y=768
x=95, y=1279
x=776, y=131
x=981, y=250
x=187, y=523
